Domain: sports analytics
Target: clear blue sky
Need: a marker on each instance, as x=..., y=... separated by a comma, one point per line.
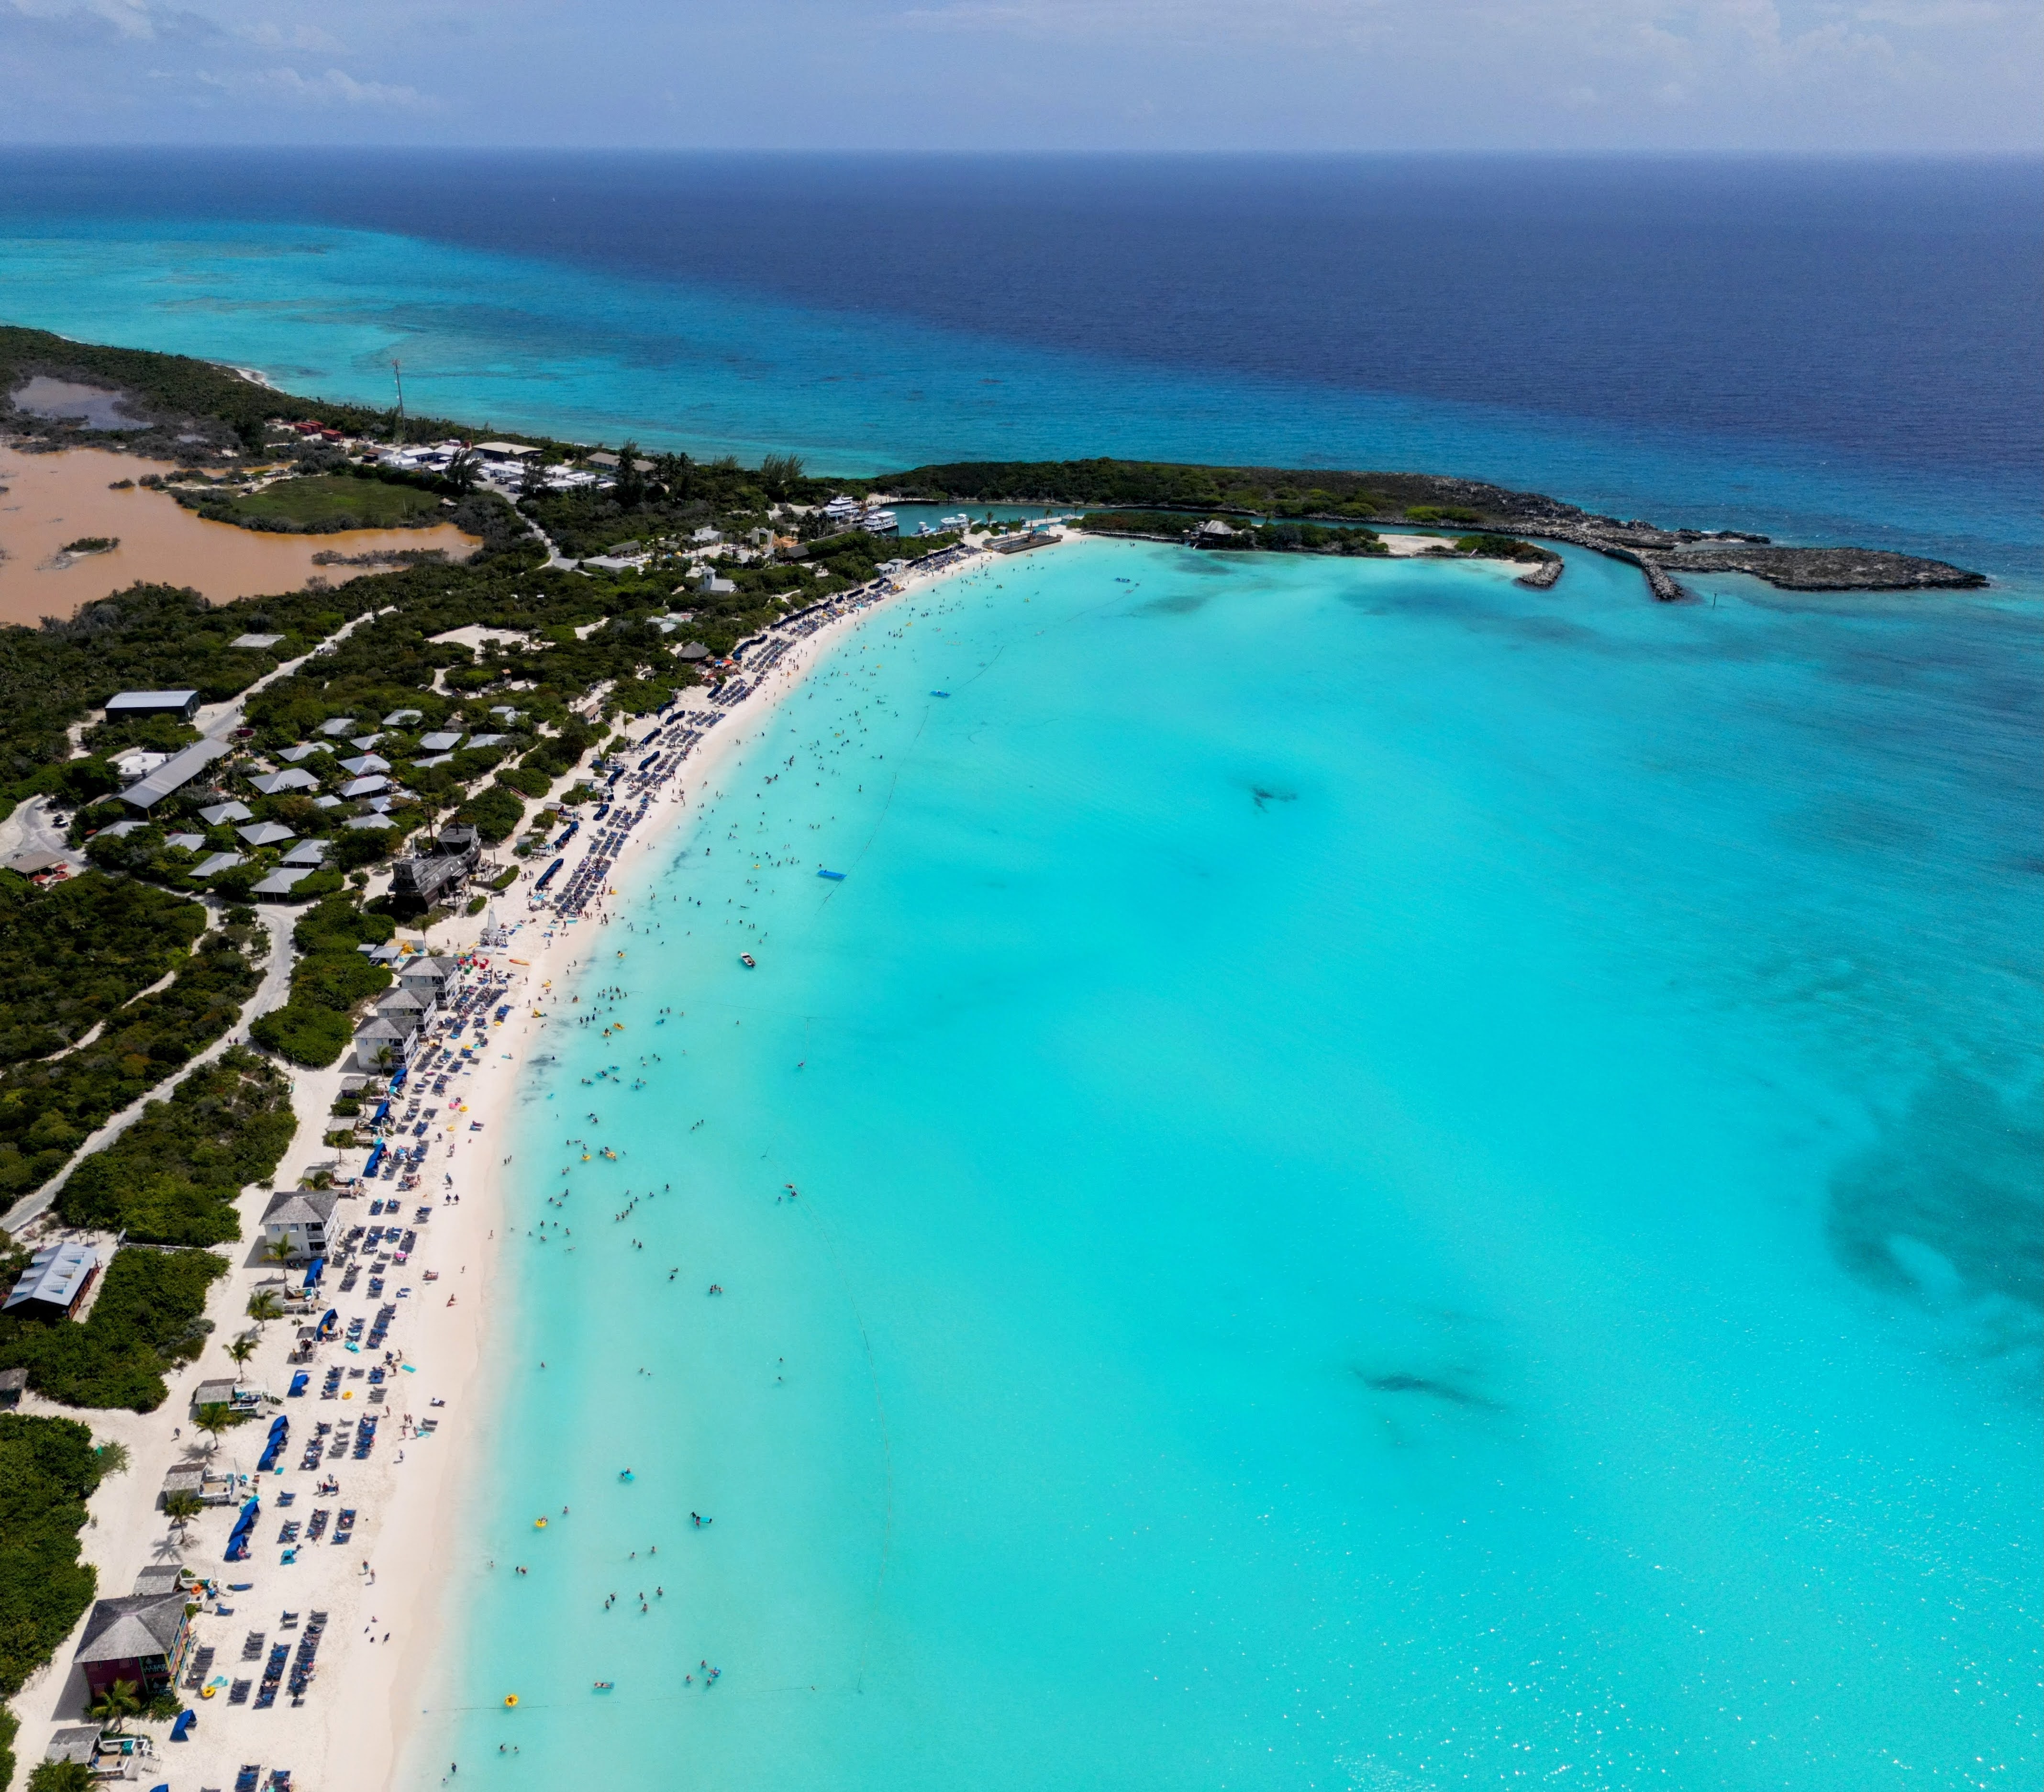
x=1323, y=75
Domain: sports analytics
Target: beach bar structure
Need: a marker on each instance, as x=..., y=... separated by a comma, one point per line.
x=299, y=1219
x=141, y=1639
x=131, y=705
x=55, y=1284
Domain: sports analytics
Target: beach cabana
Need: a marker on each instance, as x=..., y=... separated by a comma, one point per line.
x=308, y=852
x=282, y=783
x=221, y=811
x=265, y=833
x=300, y=1219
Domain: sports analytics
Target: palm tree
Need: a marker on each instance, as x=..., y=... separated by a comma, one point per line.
x=242, y=1348
x=214, y=1418
x=630, y=490
x=462, y=470
x=182, y=1507
x=278, y=1250
x=120, y=1702
x=264, y=1306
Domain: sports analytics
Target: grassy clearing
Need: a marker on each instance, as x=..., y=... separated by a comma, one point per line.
x=325, y=502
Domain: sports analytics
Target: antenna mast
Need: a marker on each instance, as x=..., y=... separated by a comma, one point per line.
x=397, y=371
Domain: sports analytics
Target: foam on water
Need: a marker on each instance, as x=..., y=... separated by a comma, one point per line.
x=1402, y=1182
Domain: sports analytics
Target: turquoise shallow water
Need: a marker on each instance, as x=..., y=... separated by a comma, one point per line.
x=1402, y=1183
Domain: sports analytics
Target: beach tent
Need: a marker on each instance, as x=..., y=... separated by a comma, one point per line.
x=280, y=1432
x=313, y=1272
x=375, y=1158
x=237, y=1541
x=328, y=1321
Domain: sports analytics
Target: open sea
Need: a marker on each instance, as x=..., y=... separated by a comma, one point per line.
x=1398, y=1182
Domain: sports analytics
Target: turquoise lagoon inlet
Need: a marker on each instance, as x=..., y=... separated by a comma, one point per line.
x=1371, y=1179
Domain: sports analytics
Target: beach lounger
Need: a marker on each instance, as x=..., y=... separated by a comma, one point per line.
x=238, y=1694
x=245, y=1781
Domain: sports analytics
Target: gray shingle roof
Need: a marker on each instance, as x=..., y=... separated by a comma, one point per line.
x=299, y=1207
x=144, y=1624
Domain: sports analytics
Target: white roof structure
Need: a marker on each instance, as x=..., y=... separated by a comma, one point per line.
x=336, y=725
x=442, y=742
x=487, y=740
x=364, y=787
x=191, y=843
x=397, y=718
x=265, y=833
x=174, y=773
x=308, y=852
x=216, y=862
x=255, y=643
x=370, y=822
x=54, y=1275
x=226, y=812
x=276, y=783
x=121, y=830
x=283, y=880
x=150, y=702
x=363, y=763
x=304, y=751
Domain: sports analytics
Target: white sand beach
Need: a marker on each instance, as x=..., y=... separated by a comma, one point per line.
x=386, y=1621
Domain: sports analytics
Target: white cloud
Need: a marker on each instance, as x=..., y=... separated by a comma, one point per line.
x=334, y=87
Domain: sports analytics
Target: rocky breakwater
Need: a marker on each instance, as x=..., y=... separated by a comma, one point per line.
x=1826, y=569
x=1663, y=554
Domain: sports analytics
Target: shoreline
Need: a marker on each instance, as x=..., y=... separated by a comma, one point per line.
x=418, y=1666
x=390, y=1610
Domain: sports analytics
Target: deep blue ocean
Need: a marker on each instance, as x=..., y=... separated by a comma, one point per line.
x=1819, y=349
x=1403, y=1183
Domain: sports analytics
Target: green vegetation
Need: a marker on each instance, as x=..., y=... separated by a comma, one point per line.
x=1442, y=513
x=1502, y=547
x=91, y=544
x=149, y=1317
x=71, y=955
x=47, y=1471
x=147, y=637
x=1281, y=494
x=494, y=812
x=48, y=1108
x=324, y=504
x=172, y=1177
x=329, y=980
x=51, y=1776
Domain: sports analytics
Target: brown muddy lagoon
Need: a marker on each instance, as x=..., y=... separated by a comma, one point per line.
x=55, y=499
